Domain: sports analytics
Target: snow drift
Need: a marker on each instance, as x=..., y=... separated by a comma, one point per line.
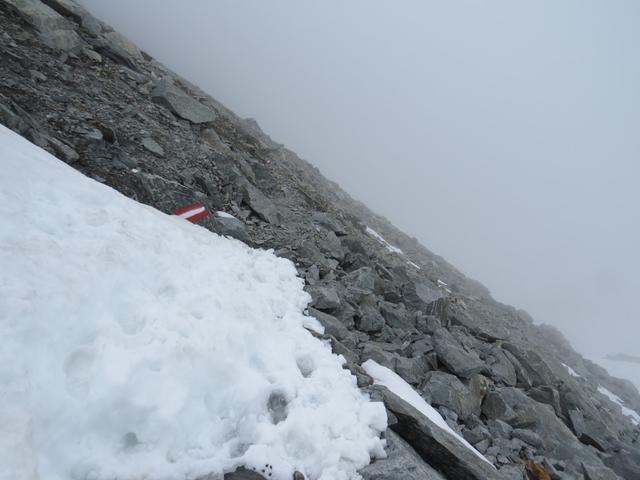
x=137, y=345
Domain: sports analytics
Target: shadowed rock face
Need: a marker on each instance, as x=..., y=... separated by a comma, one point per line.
x=73, y=86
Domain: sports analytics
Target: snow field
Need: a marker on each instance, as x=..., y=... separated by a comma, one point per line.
x=137, y=345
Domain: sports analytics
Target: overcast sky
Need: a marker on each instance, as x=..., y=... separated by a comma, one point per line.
x=504, y=135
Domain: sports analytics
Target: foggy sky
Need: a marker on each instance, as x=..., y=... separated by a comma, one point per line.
x=503, y=135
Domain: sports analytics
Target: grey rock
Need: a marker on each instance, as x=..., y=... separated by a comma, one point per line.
x=402, y=462
x=180, y=103
x=332, y=326
x=454, y=357
x=323, y=298
x=327, y=221
x=53, y=29
x=476, y=434
x=598, y=472
x=375, y=352
x=211, y=137
x=63, y=151
x=437, y=447
x=412, y=370
x=443, y=389
x=428, y=323
x=121, y=43
x=501, y=369
x=369, y=318
x=500, y=429
x=363, y=279
x=625, y=462
x=396, y=316
x=495, y=407
x=527, y=436
x=422, y=296
x=277, y=406
x=231, y=227
x=259, y=203
x=536, y=366
x=513, y=472
x=153, y=146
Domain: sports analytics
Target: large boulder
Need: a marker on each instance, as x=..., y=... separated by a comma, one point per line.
x=402, y=463
x=437, y=447
x=259, y=203
x=180, y=103
x=459, y=361
x=53, y=29
x=441, y=389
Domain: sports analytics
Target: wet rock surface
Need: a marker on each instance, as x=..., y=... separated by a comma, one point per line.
x=73, y=86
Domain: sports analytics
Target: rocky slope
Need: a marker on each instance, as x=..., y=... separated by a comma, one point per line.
x=515, y=390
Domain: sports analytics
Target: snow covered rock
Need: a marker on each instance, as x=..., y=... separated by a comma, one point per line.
x=137, y=345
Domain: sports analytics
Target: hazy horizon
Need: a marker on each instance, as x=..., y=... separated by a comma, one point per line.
x=503, y=136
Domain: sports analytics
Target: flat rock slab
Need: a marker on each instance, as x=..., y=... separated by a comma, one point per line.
x=181, y=104
x=438, y=448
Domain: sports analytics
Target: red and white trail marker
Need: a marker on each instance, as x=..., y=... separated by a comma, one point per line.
x=193, y=213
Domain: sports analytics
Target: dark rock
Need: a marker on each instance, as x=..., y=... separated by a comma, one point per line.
x=443, y=389
x=323, y=298
x=527, y=436
x=260, y=204
x=402, y=463
x=332, y=326
x=421, y=296
x=232, y=227
x=396, y=316
x=598, y=472
x=153, y=146
x=412, y=370
x=180, y=103
x=454, y=357
x=437, y=447
x=369, y=318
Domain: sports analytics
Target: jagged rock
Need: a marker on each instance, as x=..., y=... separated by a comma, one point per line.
x=327, y=221
x=527, y=436
x=454, y=357
x=501, y=369
x=180, y=103
x=374, y=351
x=120, y=43
x=53, y=29
x=332, y=326
x=495, y=407
x=437, y=447
x=412, y=370
x=421, y=296
x=535, y=365
x=363, y=279
x=369, y=317
x=476, y=435
x=232, y=227
x=402, y=463
x=443, y=389
x=427, y=323
x=596, y=472
x=260, y=204
x=396, y=316
x=625, y=463
x=324, y=298
x=500, y=429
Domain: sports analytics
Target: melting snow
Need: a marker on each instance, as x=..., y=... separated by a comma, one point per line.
x=383, y=376
x=137, y=345
x=635, y=418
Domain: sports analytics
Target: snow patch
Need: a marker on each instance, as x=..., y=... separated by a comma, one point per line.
x=383, y=376
x=571, y=371
x=386, y=244
x=635, y=417
x=224, y=214
x=137, y=345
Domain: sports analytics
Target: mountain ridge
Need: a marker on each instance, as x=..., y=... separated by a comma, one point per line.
x=77, y=88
